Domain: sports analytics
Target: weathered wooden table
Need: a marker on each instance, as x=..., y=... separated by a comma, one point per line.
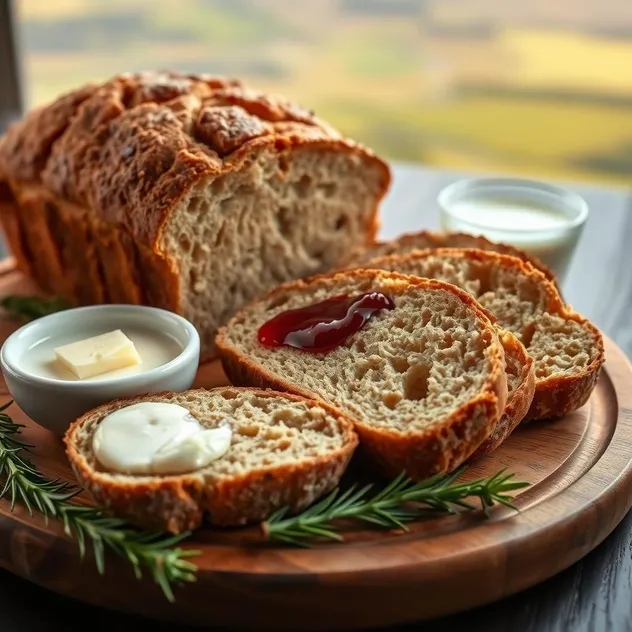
x=594, y=594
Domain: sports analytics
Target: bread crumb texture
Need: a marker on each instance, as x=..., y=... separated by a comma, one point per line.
x=406, y=369
x=566, y=348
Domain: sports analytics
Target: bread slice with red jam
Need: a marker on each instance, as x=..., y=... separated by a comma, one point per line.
x=417, y=364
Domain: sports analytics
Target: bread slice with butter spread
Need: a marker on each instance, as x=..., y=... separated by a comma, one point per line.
x=286, y=451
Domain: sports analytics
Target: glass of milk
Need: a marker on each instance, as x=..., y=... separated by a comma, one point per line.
x=543, y=220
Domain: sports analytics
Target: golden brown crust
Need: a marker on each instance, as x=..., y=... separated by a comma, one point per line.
x=159, y=279
x=554, y=396
x=427, y=239
x=26, y=146
x=254, y=496
x=46, y=258
x=519, y=401
x=441, y=447
x=179, y=503
x=116, y=253
x=73, y=233
x=226, y=128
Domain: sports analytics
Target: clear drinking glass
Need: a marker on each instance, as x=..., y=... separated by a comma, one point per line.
x=541, y=219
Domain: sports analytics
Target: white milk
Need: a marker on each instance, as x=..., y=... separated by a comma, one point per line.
x=536, y=221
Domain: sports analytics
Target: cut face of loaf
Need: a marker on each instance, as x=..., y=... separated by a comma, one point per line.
x=428, y=240
x=424, y=382
x=190, y=193
x=285, y=451
x=567, y=349
x=242, y=234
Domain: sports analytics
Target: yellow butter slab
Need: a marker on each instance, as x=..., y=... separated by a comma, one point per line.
x=97, y=355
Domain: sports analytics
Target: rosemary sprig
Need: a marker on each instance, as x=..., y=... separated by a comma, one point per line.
x=28, y=308
x=399, y=502
x=23, y=482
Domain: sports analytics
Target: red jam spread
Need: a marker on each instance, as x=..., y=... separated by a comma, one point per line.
x=323, y=326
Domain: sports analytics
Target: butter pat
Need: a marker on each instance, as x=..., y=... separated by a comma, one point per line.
x=99, y=354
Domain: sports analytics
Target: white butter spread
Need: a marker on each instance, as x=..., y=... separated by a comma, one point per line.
x=99, y=354
x=157, y=438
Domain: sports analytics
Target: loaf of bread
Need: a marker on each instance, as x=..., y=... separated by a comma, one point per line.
x=566, y=348
x=424, y=382
x=190, y=193
x=429, y=240
x=286, y=451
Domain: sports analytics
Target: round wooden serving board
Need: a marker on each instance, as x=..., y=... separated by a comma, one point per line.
x=581, y=475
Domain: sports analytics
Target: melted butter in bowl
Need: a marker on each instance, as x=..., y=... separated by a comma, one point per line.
x=167, y=345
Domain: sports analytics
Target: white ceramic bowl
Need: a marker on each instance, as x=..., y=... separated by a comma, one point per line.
x=55, y=403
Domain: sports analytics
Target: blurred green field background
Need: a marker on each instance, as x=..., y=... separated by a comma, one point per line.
x=541, y=88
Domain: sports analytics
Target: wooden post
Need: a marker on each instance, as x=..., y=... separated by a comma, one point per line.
x=11, y=105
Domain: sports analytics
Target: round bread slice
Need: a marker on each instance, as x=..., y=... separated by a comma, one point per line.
x=520, y=370
x=286, y=451
x=566, y=348
x=424, y=383
x=429, y=240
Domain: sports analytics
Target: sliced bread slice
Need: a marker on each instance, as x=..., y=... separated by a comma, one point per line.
x=424, y=382
x=428, y=240
x=566, y=348
x=285, y=451
x=520, y=370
